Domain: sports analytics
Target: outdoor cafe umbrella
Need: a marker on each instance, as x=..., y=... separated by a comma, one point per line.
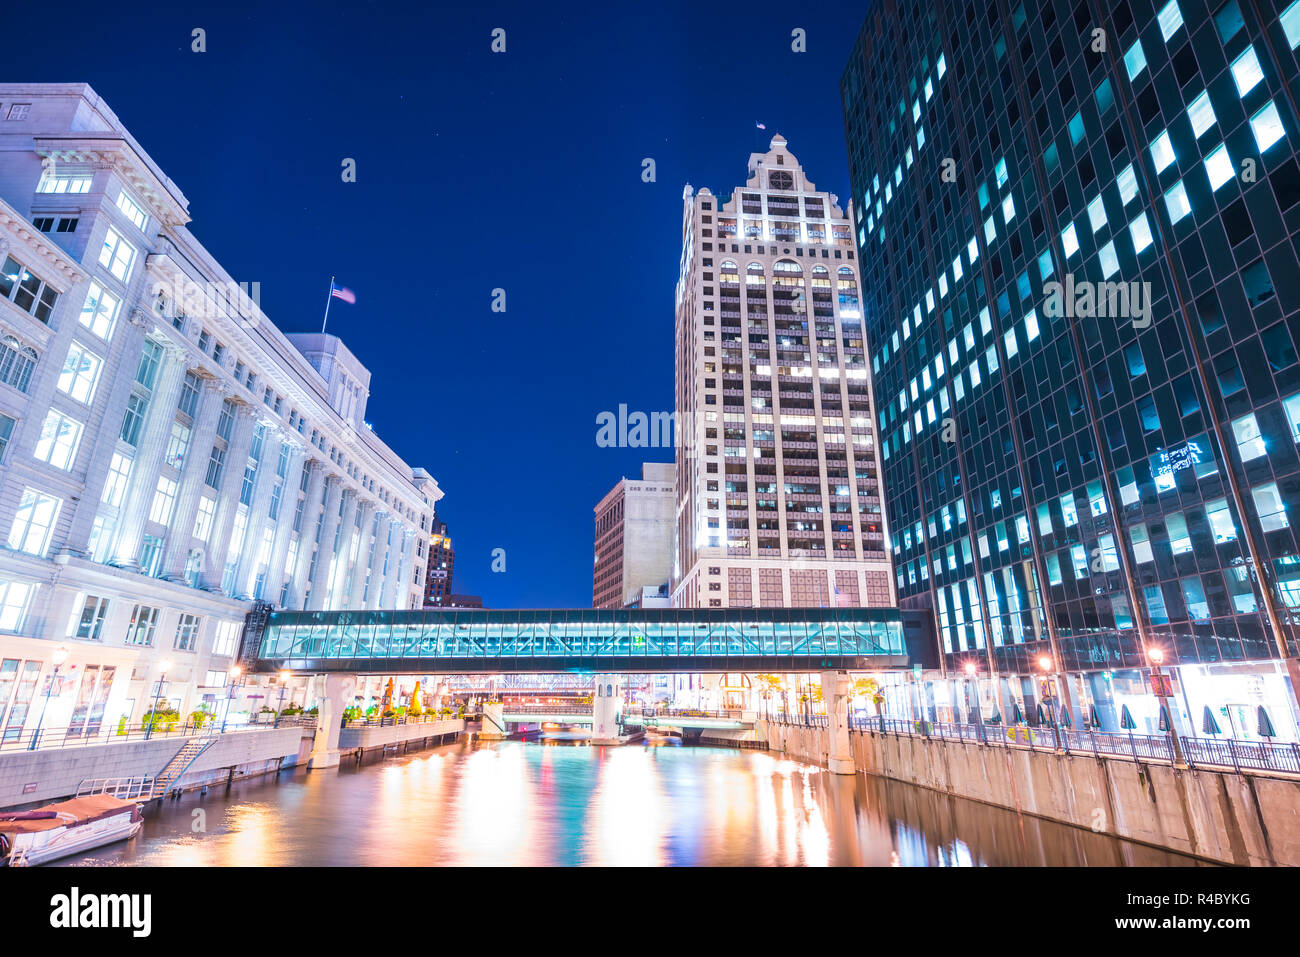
x=415, y=698
x=1126, y=718
x=1017, y=717
x=1094, y=718
x=1265, y=725
x=1208, y=724
x=996, y=716
x=1164, y=719
x=1042, y=718
x=1066, y=720
x=388, y=696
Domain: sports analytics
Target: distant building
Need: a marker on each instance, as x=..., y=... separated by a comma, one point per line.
x=634, y=537
x=778, y=490
x=464, y=601
x=651, y=597
x=442, y=558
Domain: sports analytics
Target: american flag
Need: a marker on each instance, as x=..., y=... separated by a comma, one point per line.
x=341, y=292
x=761, y=126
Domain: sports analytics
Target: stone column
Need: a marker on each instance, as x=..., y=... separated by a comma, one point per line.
x=835, y=692
x=605, y=707
x=258, y=508
x=148, y=457
x=494, y=722
x=232, y=478
x=355, y=599
x=325, y=555
x=337, y=696
x=275, y=570
x=193, y=483
x=378, y=580
x=311, y=509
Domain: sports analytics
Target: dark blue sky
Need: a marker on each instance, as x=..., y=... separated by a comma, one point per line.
x=476, y=170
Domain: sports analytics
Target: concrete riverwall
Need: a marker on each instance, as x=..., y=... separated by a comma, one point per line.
x=48, y=774
x=1249, y=818
x=366, y=737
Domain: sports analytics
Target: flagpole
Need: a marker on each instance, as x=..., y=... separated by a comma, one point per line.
x=328, y=297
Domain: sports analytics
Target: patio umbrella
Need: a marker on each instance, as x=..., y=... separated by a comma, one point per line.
x=1094, y=719
x=388, y=696
x=415, y=699
x=1066, y=720
x=1042, y=718
x=1126, y=718
x=1208, y=724
x=996, y=716
x=1265, y=725
x=1164, y=718
x=1017, y=717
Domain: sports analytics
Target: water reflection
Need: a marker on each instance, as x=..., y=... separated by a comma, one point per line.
x=562, y=802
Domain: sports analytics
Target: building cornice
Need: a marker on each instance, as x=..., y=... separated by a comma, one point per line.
x=110, y=149
x=60, y=269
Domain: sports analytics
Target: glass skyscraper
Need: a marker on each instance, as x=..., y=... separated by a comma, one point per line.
x=1078, y=227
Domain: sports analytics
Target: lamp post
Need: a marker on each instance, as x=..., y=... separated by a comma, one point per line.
x=1163, y=690
x=284, y=677
x=1049, y=695
x=163, y=666
x=235, y=673
x=974, y=686
x=58, y=658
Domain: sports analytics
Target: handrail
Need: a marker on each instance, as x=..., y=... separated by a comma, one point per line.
x=108, y=734
x=1197, y=751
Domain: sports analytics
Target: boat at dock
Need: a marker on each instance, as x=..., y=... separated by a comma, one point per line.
x=66, y=827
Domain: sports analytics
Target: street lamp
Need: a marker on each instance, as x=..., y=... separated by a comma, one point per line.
x=1163, y=690
x=163, y=666
x=971, y=669
x=58, y=658
x=235, y=672
x=284, y=677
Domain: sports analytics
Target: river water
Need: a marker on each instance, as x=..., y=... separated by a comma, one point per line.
x=562, y=802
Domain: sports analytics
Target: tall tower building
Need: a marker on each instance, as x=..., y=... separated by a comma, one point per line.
x=778, y=499
x=442, y=561
x=634, y=537
x=1081, y=223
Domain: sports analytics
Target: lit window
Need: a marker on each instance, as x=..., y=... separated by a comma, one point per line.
x=941, y=67
x=164, y=498
x=1070, y=237
x=1140, y=229
x=1250, y=444
x=1162, y=151
x=1221, y=521
x=1008, y=209
x=990, y=230
x=1031, y=326
x=1291, y=24
x=1135, y=60
x=1109, y=261
x=1218, y=166
x=1001, y=170
x=1201, y=113
x=60, y=436
x=1246, y=71
x=34, y=522
x=1269, y=507
x=1097, y=214
x=1128, y=186
x=80, y=373
x=972, y=247
x=1068, y=511
x=100, y=311
x=14, y=599
x=117, y=255
x=1010, y=340
x=203, y=520
x=1171, y=19
x=1267, y=126
x=133, y=212
x=1176, y=200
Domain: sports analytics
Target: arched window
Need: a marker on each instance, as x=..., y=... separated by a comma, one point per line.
x=17, y=362
x=754, y=275
x=788, y=266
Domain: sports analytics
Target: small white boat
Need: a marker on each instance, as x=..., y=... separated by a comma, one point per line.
x=66, y=827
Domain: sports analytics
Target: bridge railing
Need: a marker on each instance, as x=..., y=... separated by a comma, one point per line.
x=732, y=713
x=1197, y=751
x=547, y=709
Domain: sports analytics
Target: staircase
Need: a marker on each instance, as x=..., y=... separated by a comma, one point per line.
x=165, y=779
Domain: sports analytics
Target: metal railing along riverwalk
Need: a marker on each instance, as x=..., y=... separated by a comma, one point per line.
x=1197, y=752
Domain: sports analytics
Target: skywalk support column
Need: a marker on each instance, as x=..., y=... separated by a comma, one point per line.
x=835, y=692
x=338, y=695
x=604, y=710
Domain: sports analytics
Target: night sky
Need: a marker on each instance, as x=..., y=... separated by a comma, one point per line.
x=475, y=171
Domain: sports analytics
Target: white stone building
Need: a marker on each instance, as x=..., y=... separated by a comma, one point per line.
x=778, y=498
x=167, y=455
